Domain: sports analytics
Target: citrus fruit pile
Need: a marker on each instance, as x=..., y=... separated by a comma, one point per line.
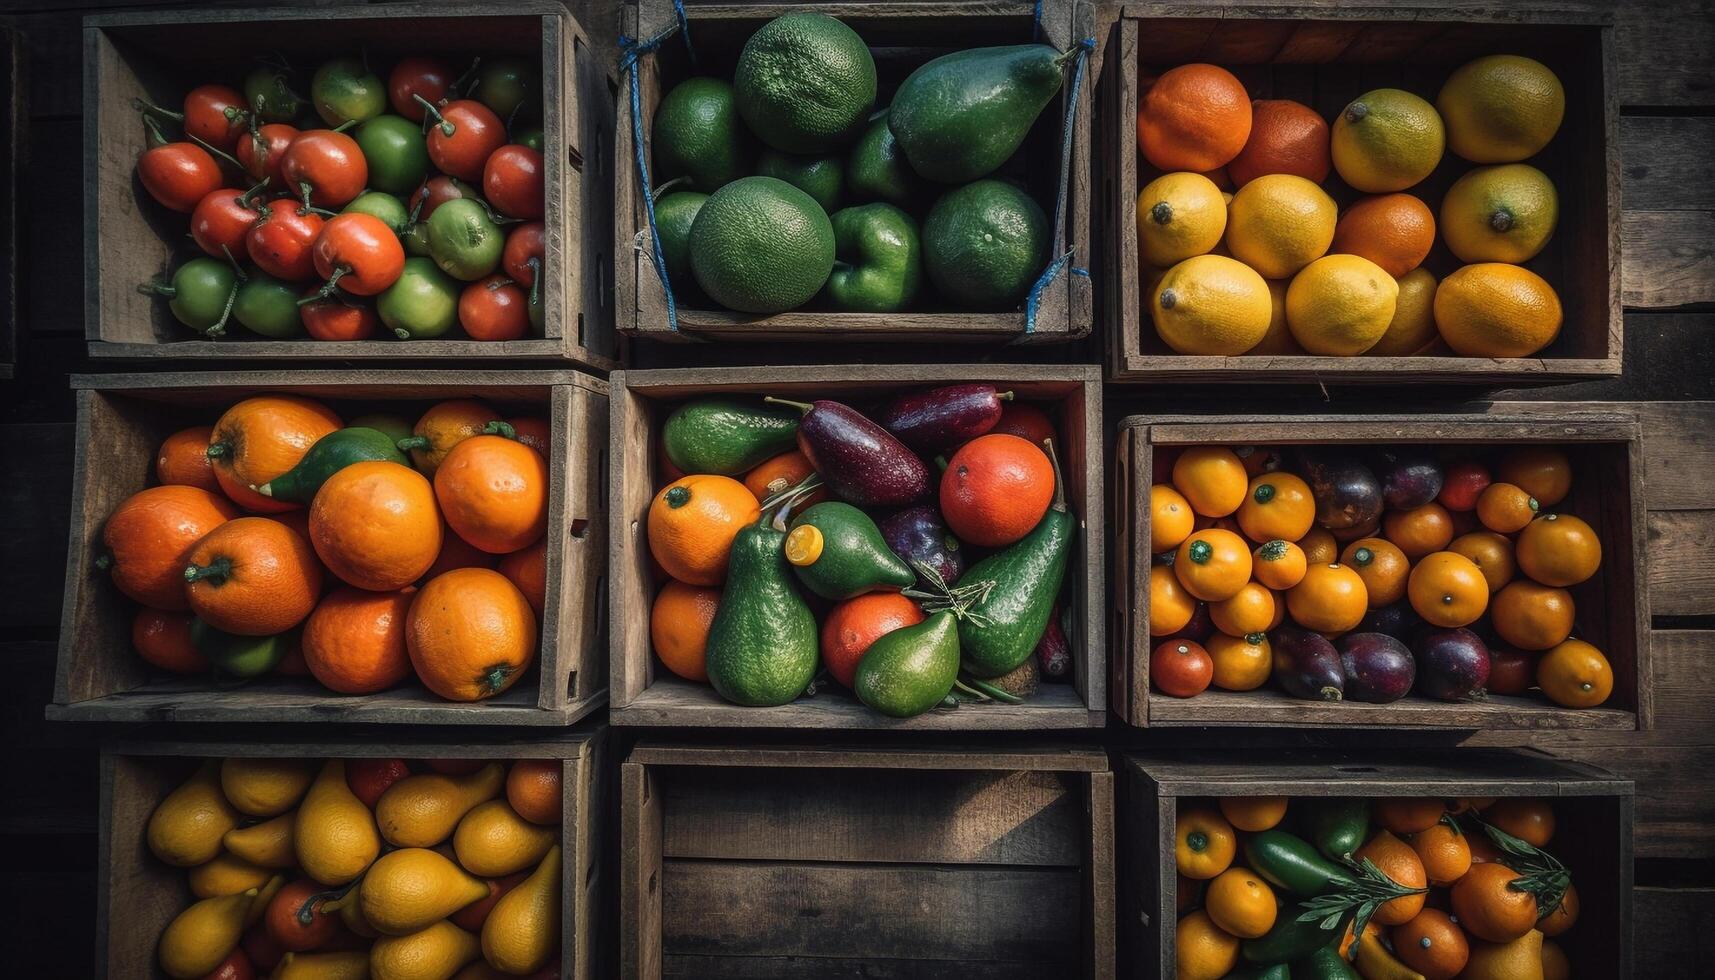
x=1245, y=251
x=282, y=540
x=1270, y=886
x=1365, y=575
x=413, y=204
x=363, y=868
x=911, y=553
x=791, y=186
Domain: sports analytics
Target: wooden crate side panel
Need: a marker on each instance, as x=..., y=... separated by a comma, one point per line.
x=573, y=626
x=1100, y=901
x=640, y=874
x=630, y=469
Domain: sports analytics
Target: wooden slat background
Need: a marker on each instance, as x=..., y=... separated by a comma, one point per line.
x=1666, y=83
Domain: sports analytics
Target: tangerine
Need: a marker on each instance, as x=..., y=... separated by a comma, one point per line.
x=1331, y=598
x=1408, y=814
x=1171, y=519
x=376, y=526
x=443, y=427
x=1320, y=547
x=1286, y=137
x=470, y=634
x=1559, y=550
x=493, y=492
x=1530, y=616
x=1506, y=509
x=1492, y=554
x=1420, y=531
x=1432, y=944
x=1253, y=813
x=527, y=568
x=996, y=489
x=1240, y=903
x=1212, y=478
x=679, y=627
x=1489, y=908
x=1277, y=505
x=533, y=790
x=1279, y=564
x=1399, y=862
x=1528, y=818
x=182, y=460
x=1381, y=565
x=1444, y=851
x=1204, y=843
x=252, y=576
x=260, y=438
x=1575, y=674
x=692, y=523
x=1213, y=564
x=1395, y=231
x=1249, y=610
x=150, y=536
x=1194, y=117
x=856, y=623
x=1544, y=472
x=1448, y=590
x=163, y=639
x=354, y=641
x=1170, y=606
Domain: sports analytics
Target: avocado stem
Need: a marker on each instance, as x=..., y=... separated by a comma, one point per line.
x=1059, y=503
x=994, y=692
x=409, y=443
x=215, y=572
x=804, y=407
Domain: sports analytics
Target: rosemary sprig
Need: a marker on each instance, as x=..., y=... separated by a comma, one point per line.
x=938, y=596
x=1539, y=873
x=1358, y=896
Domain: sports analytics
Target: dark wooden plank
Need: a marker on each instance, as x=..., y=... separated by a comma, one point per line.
x=36, y=497
x=1668, y=162
x=1673, y=929
x=1053, y=757
x=1669, y=258
x=1681, y=579
x=841, y=968
x=1679, y=464
x=1663, y=50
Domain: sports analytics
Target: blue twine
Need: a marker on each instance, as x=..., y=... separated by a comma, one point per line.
x=1034, y=298
x=633, y=50
x=1036, y=21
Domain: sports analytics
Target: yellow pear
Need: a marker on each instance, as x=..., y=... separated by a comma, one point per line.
x=434, y=953
x=350, y=909
x=186, y=828
x=422, y=810
x=523, y=932
x=407, y=890
x=348, y=965
x=227, y=874
x=195, y=942
x=494, y=841
x=1520, y=959
x=334, y=835
x=266, y=787
x=267, y=844
x=267, y=894
x=480, y=970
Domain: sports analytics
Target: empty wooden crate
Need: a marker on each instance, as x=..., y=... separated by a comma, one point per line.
x=1611, y=608
x=643, y=692
x=1591, y=831
x=160, y=55
x=752, y=861
x=123, y=419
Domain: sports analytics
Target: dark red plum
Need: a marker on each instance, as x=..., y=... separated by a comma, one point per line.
x=1410, y=478
x=1053, y=651
x=1199, y=629
x=933, y=422
x=917, y=534
x=1452, y=665
x=1378, y=668
x=1347, y=493
x=1399, y=620
x=1307, y=666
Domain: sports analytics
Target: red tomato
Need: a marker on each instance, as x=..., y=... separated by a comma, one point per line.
x=1462, y=484
x=369, y=778
x=234, y=967
x=436, y=191
x=261, y=152
x=412, y=77
x=280, y=240
x=465, y=134
x=359, y=253
x=260, y=948
x=221, y=220
x=335, y=319
x=525, y=252
x=1181, y=668
x=216, y=114
x=179, y=175
x=494, y=309
x=329, y=163
x=512, y=181
x=286, y=923
x=1510, y=671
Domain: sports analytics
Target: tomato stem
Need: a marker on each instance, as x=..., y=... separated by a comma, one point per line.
x=467, y=80
x=429, y=110
x=216, y=152
x=245, y=199
x=327, y=287
x=215, y=572
x=534, y=264
x=150, y=108
x=157, y=287
x=153, y=133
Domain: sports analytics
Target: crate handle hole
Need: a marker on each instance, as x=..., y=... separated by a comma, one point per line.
x=572, y=684
x=652, y=875
x=580, y=527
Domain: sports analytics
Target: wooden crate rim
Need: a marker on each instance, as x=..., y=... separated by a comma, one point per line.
x=1485, y=414
x=567, y=743
x=943, y=756
x=337, y=378
x=350, y=11
x=1535, y=14
x=1294, y=773
x=902, y=374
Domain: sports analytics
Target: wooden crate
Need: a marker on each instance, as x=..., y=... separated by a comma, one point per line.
x=1593, y=813
x=123, y=418
x=158, y=55
x=902, y=36
x=1326, y=56
x=641, y=693
x=137, y=895
x=1612, y=607
x=778, y=862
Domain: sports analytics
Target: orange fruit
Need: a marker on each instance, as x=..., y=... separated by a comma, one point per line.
x=1505, y=508
x=1213, y=564
x=856, y=623
x=1564, y=915
x=535, y=433
x=1407, y=814
x=354, y=641
x=679, y=627
x=1575, y=674
x=443, y=427
x=260, y=438
x=1170, y=518
x=183, y=461
x=1544, y=472
x=1531, y=616
x=1204, y=843
x=1170, y=606
x=782, y=472
x=1286, y=137
x=1181, y=668
x=470, y=634
x=1331, y=598
x=1448, y=590
x=1194, y=117
x=533, y=790
x=1278, y=564
x=692, y=522
x=149, y=537
x=1249, y=610
x=1494, y=309
x=376, y=525
x=1381, y=565
x=1559, y=550
x=1398, y=861
x=493, y=492
x=252, y=576
x=996, y=489
x=1026, y=421
x=1420, y=531
x=527, y=568
x=1526, y=817
x=1492, y=554
x=1253, y=813
x=1212, y=478
x=1240, y=903
x=1432, y=944
x=455, y=552
x=1277, y=505
x=1488, y=908
x=163, y=639
x=1444, y=851
x=1242, y=663
x=1203, y=950
x=1319, y=546
x=1395, y=231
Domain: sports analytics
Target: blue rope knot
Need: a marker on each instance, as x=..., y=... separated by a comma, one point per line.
x=633, y=49
x=1034, y=298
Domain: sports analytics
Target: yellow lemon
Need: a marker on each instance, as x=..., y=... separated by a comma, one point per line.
x=1179, y=215
x=1210, y=304
x=1279, y=224
x=1413, y=325
x=1203, y=950
x=1502, y=108
x=1504, y=213
x=1340, y=305
x=1492, y=309
x=1386, y=140
x=1279, y=338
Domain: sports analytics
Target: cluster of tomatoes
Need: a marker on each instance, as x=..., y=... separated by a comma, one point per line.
x=1366, y=576
x=414, y=204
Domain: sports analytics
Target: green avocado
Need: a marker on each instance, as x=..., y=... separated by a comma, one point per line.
x=330, y=454
x=727, y=436
x=674, y=214
x=838, y=553
x=984, y=244
x=909, y=671
x=961, y=116
x=877, y=171
x=823, y=178
x=697, y=134
x=239, y=656
x=762, y=647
